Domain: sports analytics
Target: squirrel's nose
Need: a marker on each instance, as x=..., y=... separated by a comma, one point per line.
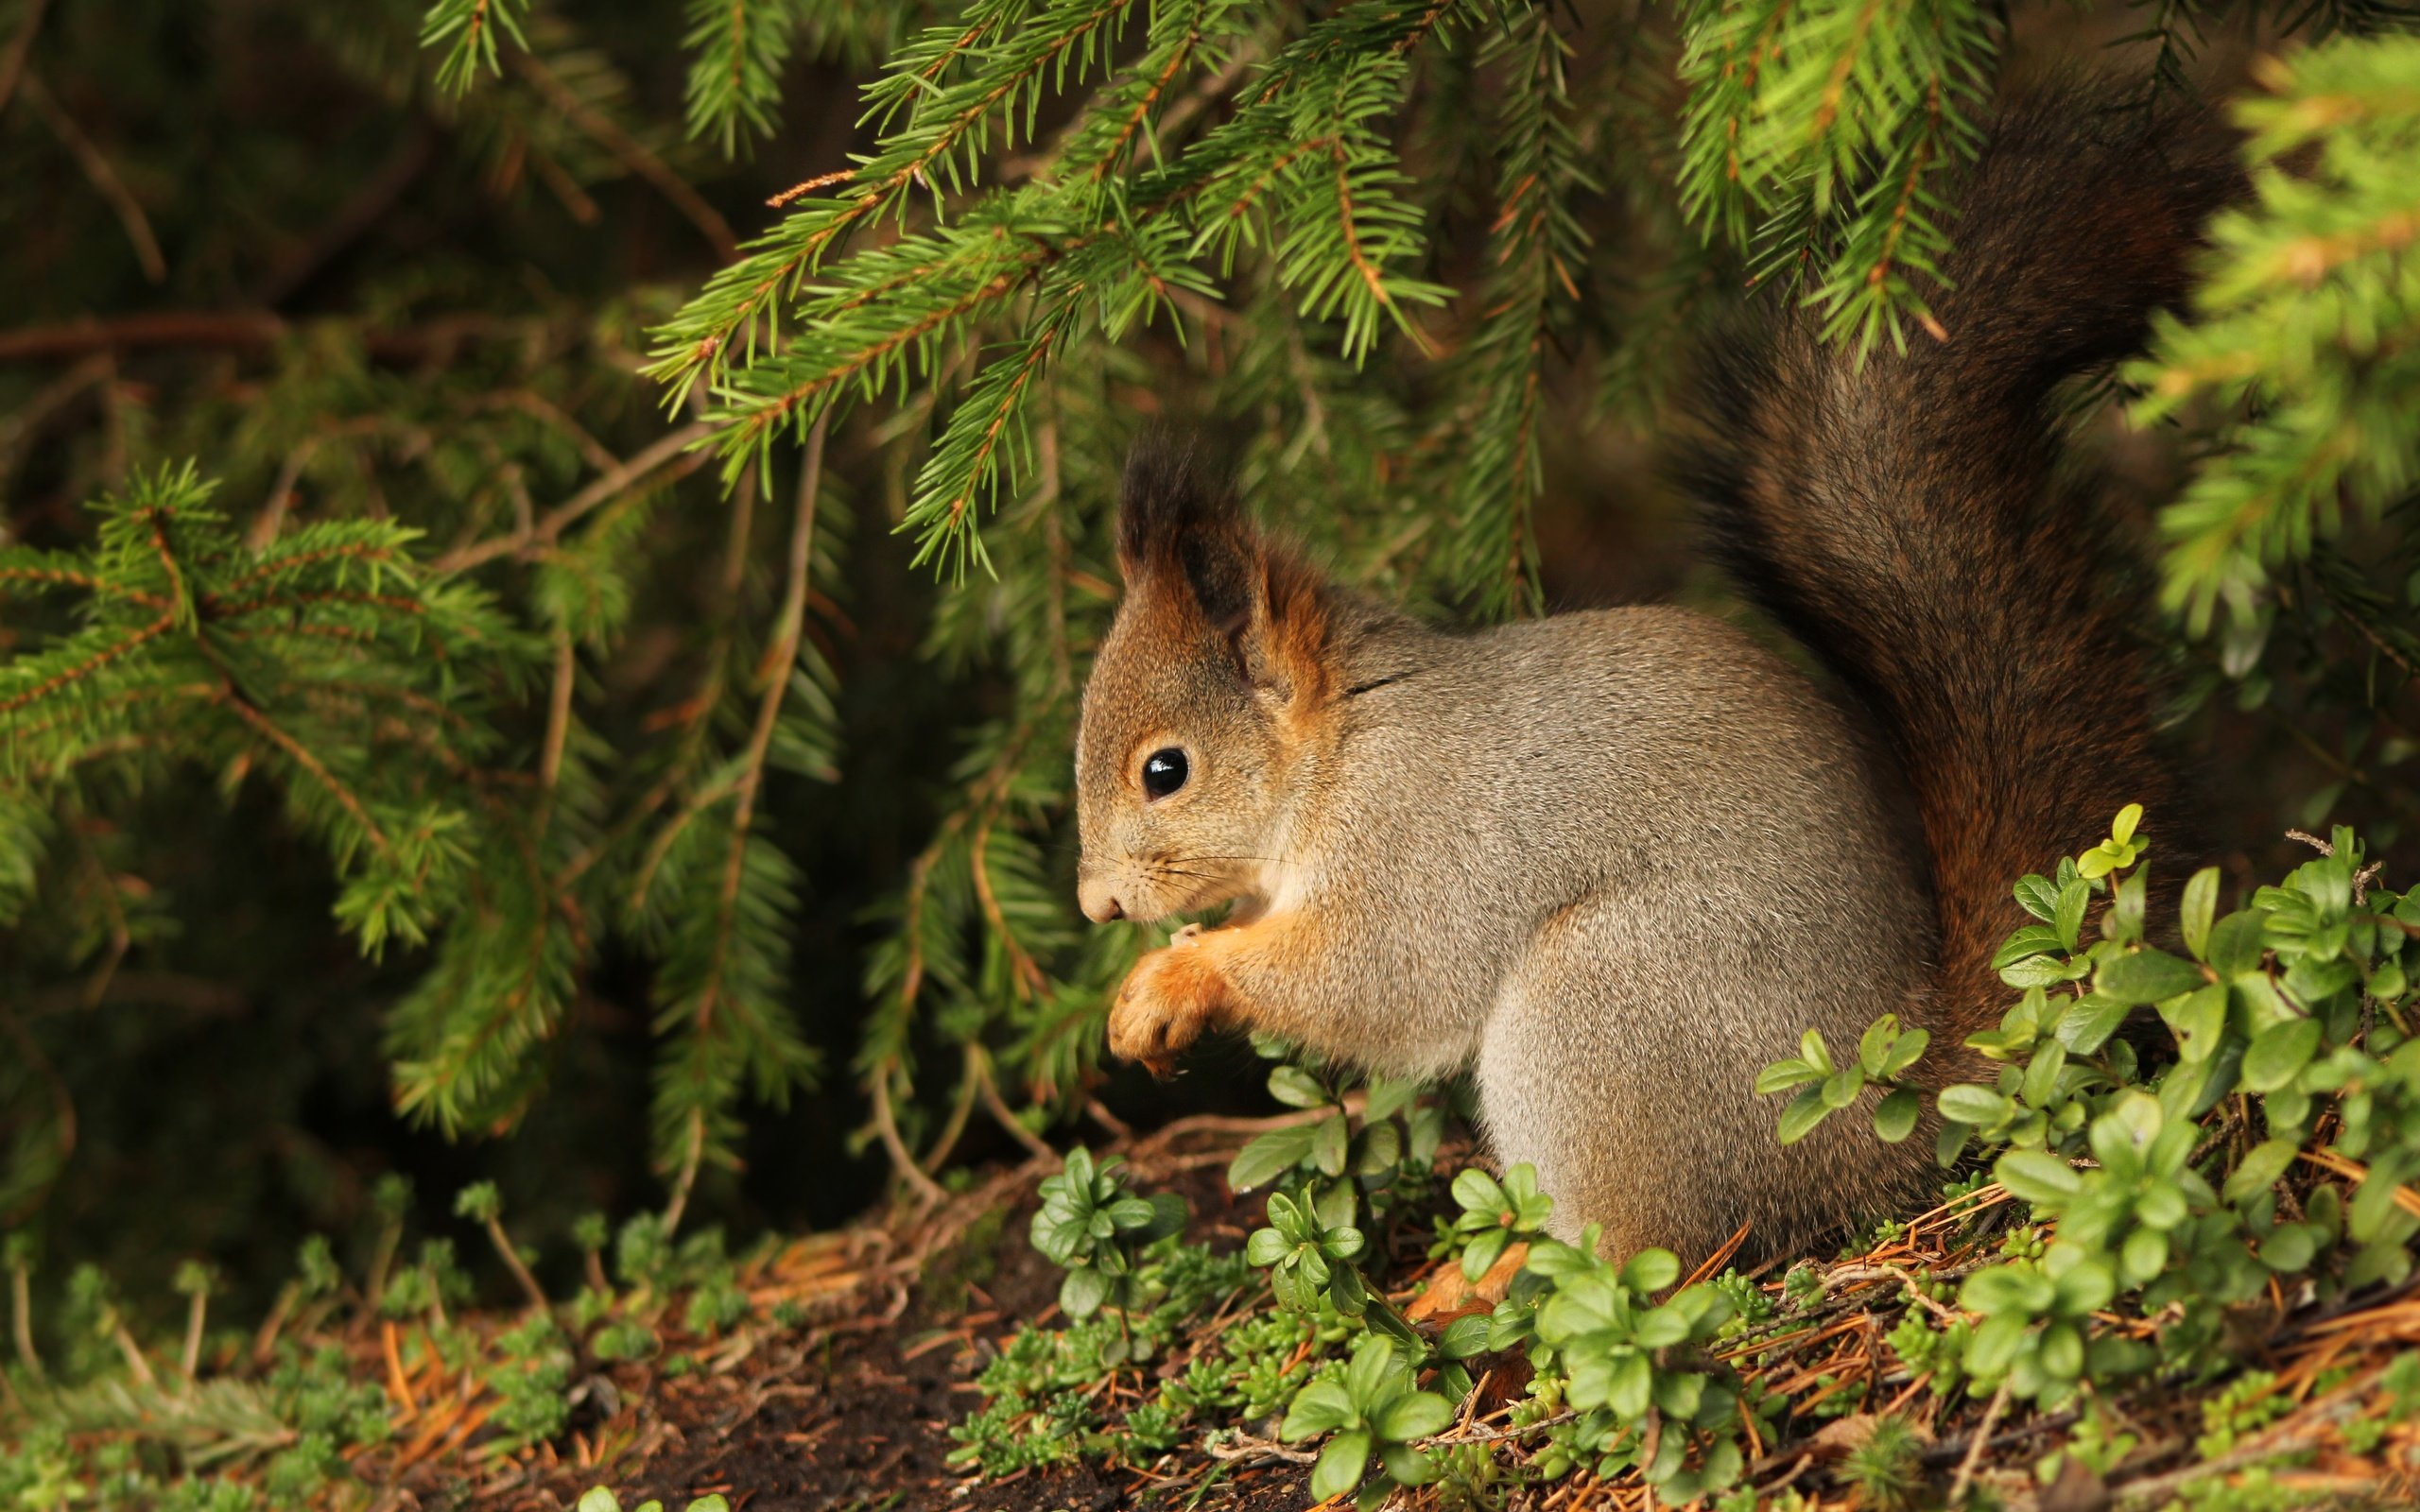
x=1099, y=904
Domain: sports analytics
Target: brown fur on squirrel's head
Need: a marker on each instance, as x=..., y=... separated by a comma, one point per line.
x=1204, y=696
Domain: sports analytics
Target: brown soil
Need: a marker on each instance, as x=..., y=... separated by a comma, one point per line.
x=854, y=1415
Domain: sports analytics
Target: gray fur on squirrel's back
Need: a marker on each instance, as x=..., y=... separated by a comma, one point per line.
x=1667, y=934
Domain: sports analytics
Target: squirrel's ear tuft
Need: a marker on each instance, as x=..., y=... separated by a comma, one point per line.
x=1179, y=521
x=1186, y=547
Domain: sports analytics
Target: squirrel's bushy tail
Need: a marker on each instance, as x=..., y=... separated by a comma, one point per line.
x=1907, y=522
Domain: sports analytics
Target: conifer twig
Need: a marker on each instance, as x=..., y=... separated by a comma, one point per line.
x=781, y=655
x=685, y=1181
x=21, y=1321
x=103, y=177
x=632, y=153
x=901, y=1159
x=196, y=1314
x=514, y=1262
x=666, y=449
x=12, y=63
x=1001, y=1113
x=1966, y=1477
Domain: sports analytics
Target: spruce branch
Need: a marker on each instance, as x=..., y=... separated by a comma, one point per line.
x=1536, y=252
x=740, y=47
x=467, y=29
x=628, y=151
x=739, y=306
x=1816, y=132
x=21, y=45
x=2307, y=327
x=720, y=986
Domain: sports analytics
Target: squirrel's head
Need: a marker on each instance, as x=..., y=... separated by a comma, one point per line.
x=1207, y=691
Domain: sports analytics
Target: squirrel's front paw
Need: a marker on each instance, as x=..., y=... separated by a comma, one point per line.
x=1170, y=997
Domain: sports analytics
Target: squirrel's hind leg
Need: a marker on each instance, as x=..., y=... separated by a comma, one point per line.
x=1632, y=1093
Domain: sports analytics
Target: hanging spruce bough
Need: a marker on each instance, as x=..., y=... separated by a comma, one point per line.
x=1415, y=246
x=1818, y=135
x=329, y=662
x=1238, y=170
x=1113, y=229
x=2304, y=333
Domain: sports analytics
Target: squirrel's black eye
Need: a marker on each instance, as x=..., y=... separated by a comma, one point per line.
x=1164, y=772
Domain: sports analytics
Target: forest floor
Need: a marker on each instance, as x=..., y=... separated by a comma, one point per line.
x=855, y=1414
x=837, y=1372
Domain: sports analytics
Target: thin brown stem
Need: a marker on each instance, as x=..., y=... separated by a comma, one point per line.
x=666, y=450
x=997, y=1106
x=133, y=1355
x=550, y=760
x=960, y=1112
x=12, y=63
x=514, y=1262
x=901, y=1159
x=632, y=153
x=103, y=177
x=1966, y=1479
x=691, y=1161
x=21, y=1301
x=197, y=1312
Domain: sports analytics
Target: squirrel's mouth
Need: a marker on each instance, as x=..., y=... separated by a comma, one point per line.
x=1167, y=887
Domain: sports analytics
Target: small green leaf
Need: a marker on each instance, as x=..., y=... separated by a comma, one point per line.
x=1339, y=1465
x=2013, y=1289
x=1414, y=1415
x=2289, y=1248
x=1319, y=1407
x=1628, y=1388
x=2032, y=939
x=1269, y=1156
x=1894, y=1117
x=2235, y=945
x=1843, y=1087
x=1799, y=1119
x=1967, y=1103
x=2122, y=829
x=1082, y=1293
x=1781, y=1075
x=1660, y=1327
x=2199, y=1021
x=2037, y=1177
x=1482, y=1252
x=2259, y=1169
x=2089, y=1021
x=1465, y=1336
x=2148, y=976
x=1874, y=1047
x=1388, y=1097
x=1266, y=1248
x=2043, y=971
x=2039, y=896
x=1651, y=1271
x=1328, y=1145
x=2061, y=1351
x=2068, y=921
x=1909, y=1049
x=2200, y=906
x=2277, y=1053
x=1405, y=1465
x=1296, y=1088
x=1477, y=1191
